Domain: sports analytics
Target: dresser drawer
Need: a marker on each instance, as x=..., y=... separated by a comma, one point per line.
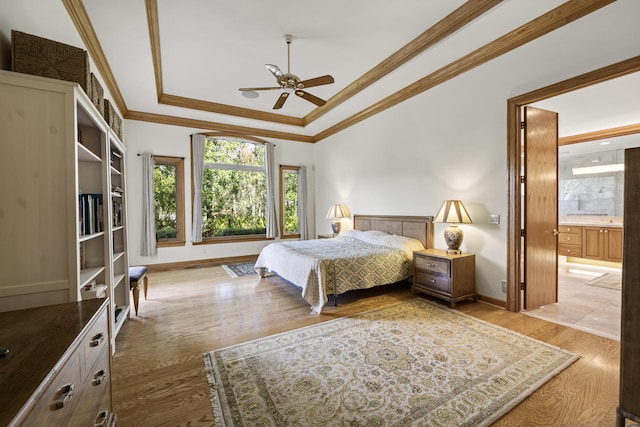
x=432, y=281
x=435, y=265
x=95, y=341
x=56, y=405
x=96, y=399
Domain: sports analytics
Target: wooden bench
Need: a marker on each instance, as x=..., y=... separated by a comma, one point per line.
x=137, y=277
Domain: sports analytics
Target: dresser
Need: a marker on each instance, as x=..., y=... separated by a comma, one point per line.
x=451, y=277
x=58, y=368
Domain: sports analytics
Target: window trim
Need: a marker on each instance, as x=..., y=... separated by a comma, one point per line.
x=283, y=170
x=180, y=239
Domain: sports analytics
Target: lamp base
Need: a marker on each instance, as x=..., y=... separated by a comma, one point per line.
x=453, y=236
x=336, y=226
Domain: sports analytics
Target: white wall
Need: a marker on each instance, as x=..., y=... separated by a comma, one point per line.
x=167, y=140
x=450, y=142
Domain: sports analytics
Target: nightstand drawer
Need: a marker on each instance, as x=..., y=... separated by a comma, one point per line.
x=432, y=281
x=431, y=264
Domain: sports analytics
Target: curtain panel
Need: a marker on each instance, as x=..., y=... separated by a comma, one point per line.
x=302, y=203
x=197, y=155
x=148, y=245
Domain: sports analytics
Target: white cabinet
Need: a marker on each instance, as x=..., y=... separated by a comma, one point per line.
x=59, y=231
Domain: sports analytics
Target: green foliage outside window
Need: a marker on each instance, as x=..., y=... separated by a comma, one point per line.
x=164, y=185
x=291, y=224
x=234, y=189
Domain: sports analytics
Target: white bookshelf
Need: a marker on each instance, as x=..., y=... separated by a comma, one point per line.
x=55, y=154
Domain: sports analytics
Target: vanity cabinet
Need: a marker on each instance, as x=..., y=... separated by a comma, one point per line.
x=597, y=243
x=602, y=243
x=570, y=241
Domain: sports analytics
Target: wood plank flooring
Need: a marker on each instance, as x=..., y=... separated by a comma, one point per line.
x=158, y=372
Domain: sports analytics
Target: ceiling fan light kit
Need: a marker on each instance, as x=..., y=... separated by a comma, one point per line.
x=289, y=83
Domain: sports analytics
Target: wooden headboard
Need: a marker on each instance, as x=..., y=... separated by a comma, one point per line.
x=417, y=227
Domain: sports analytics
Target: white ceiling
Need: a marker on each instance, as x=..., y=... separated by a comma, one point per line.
x=210, y=48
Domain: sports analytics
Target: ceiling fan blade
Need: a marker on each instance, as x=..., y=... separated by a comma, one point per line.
x=311, y=98
x=275, y=70
x=251, y=89
x=318, y=81
x=280, y=102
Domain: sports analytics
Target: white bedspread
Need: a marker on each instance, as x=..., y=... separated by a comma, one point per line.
x=353, y=260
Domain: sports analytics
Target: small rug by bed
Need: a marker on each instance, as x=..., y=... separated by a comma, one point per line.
x=607, y=280
x=414, y=362
x=238, y=270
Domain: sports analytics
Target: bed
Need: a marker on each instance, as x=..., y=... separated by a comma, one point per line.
x=378, y=251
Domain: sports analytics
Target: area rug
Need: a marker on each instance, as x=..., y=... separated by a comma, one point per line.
x=238, y=270
x=607, y=280
x=414, y=363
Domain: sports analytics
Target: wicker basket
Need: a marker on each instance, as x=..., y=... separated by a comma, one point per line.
x=47, y=58
x=112, y=118
x=96, y=93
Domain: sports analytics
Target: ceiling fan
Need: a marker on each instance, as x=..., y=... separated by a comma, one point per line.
x=290, y=83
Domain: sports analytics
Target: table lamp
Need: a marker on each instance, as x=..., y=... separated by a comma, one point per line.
x=453, y=212
x=337, y=212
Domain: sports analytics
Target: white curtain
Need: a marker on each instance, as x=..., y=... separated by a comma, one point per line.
x=148, y=245
x=272, y=218
x=302, y=202
x=197, y=155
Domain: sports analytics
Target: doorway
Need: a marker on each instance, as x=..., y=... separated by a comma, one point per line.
x=514, y=160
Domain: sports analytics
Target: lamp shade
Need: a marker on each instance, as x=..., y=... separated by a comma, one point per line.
x=338, y=211
x=453, y=212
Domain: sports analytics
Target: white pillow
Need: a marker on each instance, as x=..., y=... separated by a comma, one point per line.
x=376, y=237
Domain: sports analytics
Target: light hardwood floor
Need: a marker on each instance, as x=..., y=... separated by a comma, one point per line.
x=158, y=371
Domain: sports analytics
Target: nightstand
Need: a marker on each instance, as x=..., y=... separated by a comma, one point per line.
x=325, y=236
x=448, y=276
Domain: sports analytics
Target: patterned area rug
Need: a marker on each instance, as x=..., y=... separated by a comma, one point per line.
x=237, y=270
x=607, y=280
x=414, y=363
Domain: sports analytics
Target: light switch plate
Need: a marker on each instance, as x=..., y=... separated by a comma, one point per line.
x=494, y=219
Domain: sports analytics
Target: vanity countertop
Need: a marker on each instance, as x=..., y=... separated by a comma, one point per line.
x=592, y=221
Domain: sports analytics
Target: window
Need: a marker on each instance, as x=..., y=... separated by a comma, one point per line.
x=234, y=189
x=289, y=216
x=168, y=188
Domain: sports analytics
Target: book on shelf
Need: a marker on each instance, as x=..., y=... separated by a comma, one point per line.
x=91, y=213
x=117, y=213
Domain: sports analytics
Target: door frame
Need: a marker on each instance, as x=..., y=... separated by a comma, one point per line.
x=514, y=163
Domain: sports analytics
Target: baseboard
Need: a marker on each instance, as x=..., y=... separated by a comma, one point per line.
x=493, y=301
x=200, y=263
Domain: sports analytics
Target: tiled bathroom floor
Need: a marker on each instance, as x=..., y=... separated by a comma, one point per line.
x=590, y=308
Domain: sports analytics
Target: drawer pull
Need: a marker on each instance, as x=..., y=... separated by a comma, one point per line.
x=65, y=396
x=99, y=377
x=431, y=265
x=96, y=340
x=431, y=281
x=101, y=419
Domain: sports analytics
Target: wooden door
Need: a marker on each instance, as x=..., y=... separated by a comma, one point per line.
x=629, y=406
x=541, y=207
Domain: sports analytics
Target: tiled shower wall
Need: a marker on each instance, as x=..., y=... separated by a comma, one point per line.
x=593, y=194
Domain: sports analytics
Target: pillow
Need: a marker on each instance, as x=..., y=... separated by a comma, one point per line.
x=376, y=237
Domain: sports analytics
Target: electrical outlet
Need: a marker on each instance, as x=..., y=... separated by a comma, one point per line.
x=494, y=219
x=504, y=286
